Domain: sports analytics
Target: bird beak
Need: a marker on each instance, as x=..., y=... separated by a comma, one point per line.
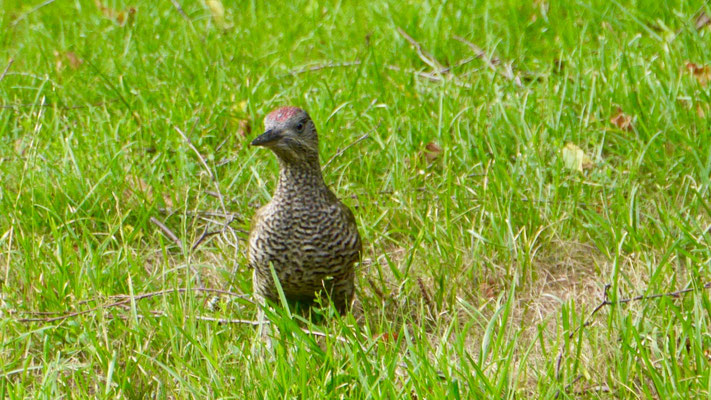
x=266, y=138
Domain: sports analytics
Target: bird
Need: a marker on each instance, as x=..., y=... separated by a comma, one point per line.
x=305, y=233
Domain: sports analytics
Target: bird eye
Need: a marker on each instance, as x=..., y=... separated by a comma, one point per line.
x=300, y=127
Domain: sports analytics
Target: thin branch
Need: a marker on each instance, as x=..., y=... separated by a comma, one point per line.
x=214, y=181
x=195, y=150
x=490, y=62
x=23, y=16
x=180, y=9
x=326, y=335
x=424, y=55
x=226, y=161
x=700, y=19
x=227, y=321
x=167, y=232
x=607, y=302
x=200, y=213
x=72, y=107
x=124, y=299
x=355, y=142
x=377, y=290
x=7, y=68
x=433, y=76
x=319, y=67
x=206, y=234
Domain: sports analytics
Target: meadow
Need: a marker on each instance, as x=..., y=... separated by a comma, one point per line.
x=530, y=180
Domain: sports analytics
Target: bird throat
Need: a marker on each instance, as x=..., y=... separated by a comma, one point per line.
x=299, y=178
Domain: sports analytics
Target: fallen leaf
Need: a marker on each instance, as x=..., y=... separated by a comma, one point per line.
x=387, y=337
x=120, y=17
x=701, y=73
x=575, y=158
x=702, y=109
x=218, y=13
x=558, y=65
x=244, y=127
x=74, y=61
x=701, y=21
x=432, y=151
x=70, y=58
x=621, y=120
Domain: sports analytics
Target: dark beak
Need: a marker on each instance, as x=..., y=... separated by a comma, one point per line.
x=266, y=138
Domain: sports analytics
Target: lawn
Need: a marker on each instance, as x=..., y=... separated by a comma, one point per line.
x=531, y=180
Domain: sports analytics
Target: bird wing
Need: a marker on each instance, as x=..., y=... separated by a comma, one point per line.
x=351, y=225
x=256, y=228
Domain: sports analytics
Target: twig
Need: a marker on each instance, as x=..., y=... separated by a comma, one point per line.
x=425, y=295
x=607, y=302
x=227, y=321
x=435, y=77
x=108, y=82
x=424, y=55
x=7, y=68
x=490, y=62
x=326, y=335
x=226, y=160
x=195, y=150
x=23, y=16
x=213, y=178
x=206, y=234
x=700, y=19
x=355, y=142
x=167, y=232
x=72, y=107
x=319, y=67
x=376, y=289
x=124, y=300
x=180, y=9
x=200, y=213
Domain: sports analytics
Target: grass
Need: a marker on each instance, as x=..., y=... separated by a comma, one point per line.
x=480, y=266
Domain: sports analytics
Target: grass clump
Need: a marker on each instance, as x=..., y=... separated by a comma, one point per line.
x=485, y=252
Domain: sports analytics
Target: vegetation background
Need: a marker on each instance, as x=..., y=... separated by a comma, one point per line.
x=512, y=166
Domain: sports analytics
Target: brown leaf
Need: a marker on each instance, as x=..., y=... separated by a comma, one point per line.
x=702, y=20
x=126, y=17
x=69, y=58
x=432, y=151
x=701, y=73
x=244, y=128
x=387, y=337
x=558, y=65
x=621, y=120
x=74, y=61
x=702, y=109
x=120, y=17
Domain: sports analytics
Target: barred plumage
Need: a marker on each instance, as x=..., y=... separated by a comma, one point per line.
x=305, y=232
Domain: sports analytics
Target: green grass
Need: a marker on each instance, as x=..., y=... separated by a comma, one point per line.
x=480, y=267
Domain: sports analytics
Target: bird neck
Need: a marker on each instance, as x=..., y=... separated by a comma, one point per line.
x=299, y=177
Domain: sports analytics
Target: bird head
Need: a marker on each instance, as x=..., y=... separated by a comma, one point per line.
x=290, y=134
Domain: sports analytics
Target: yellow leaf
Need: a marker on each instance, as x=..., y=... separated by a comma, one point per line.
x=575, y=158
x=218, y=13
